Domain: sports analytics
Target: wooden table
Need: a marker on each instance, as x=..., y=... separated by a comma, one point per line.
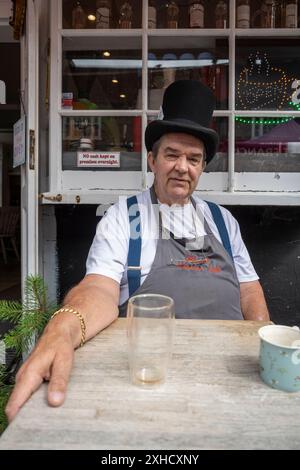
x=213, y=398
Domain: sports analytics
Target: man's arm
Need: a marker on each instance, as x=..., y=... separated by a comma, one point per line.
x=253, y=302
x=96, y=297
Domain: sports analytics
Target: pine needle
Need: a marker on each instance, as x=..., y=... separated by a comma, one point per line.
x=10, y=310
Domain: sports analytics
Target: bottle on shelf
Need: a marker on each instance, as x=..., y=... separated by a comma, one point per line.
x=103, y=9
x=221, y=14
x=196, y=13
x=125, y=20
x=270, y=13
x=172, y=15
x=280, y=21
x=291, y=13
x=152, y=14
x=78, y=17
x=243, y=14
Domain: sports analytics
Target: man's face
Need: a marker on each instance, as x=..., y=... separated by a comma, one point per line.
x=177, y=167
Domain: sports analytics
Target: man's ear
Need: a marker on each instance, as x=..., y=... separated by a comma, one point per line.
x=151, y=161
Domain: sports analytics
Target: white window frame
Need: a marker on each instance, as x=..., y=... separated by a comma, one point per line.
x=224, y=187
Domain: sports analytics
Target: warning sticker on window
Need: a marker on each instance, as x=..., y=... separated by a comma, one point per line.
x=102, y=159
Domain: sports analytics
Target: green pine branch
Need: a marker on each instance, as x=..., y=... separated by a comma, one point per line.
x=10, y=310
x=28, y=320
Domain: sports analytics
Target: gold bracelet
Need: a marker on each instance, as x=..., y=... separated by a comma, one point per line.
x=81, y=319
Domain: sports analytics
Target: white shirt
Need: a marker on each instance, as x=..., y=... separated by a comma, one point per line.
x=109, y=250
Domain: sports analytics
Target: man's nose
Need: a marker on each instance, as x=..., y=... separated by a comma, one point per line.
x=181, y=164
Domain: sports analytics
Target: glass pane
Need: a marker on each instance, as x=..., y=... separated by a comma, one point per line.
x=188, y=14
x=267, y=71
x=267, y=144
x=102, y=14
x=101, y=143
x=267, y=14
x=174, y=58
x=101, y=73
x=220, y=160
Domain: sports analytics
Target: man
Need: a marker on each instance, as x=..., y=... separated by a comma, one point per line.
x=187, y=249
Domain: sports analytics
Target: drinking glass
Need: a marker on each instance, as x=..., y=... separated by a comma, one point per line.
x=150, y=328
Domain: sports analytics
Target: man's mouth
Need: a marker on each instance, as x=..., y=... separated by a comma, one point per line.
x=179, y=180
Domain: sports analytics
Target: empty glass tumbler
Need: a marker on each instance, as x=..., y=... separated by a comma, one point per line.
x=150, y=328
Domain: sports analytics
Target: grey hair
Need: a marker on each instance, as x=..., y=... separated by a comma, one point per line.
x=155, y=147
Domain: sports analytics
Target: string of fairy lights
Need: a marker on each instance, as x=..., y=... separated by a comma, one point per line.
x=268, y=120
x=259, y=86
x=253, y=92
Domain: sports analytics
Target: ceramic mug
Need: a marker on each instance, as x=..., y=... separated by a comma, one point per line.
x=280, y=357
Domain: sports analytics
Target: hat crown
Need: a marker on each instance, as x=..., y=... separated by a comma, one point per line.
x=188, y=100
x=187, y=108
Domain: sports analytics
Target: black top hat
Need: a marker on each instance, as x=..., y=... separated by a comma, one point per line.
x=187, y=107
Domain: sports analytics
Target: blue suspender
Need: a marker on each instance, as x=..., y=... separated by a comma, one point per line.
x=219, y=221
x=135, y=241
x=135, y=246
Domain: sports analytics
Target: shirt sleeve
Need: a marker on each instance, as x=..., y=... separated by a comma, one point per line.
x=109, y=250
x=244, y=267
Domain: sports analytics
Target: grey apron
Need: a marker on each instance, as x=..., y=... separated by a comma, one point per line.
x=202, y=282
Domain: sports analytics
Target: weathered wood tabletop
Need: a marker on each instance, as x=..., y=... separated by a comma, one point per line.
x=213, y=398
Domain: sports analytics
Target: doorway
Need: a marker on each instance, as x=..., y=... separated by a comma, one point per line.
x=10, y=178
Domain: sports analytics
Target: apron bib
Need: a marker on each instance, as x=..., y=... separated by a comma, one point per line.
x=202, y=280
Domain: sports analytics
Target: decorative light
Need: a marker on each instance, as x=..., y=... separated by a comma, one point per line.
x=261, y=85
x=295, y=105
x=92, y=17
x=114, y=80
x=269, y=121
x=264, y=121
x=122, y=95
x=106, y=54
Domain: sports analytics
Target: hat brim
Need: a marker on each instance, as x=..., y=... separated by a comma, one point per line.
x=156, y=129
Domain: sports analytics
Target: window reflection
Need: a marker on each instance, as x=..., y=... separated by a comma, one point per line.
x=188, y=14
x=93, y=135
x=220, y=161
x=267, y=73
x=101, y=76
x=267, y=144
x=102, y=14
x=126, y=14
x=204, y=59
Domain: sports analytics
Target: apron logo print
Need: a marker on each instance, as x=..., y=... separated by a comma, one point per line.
x=192, y=263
